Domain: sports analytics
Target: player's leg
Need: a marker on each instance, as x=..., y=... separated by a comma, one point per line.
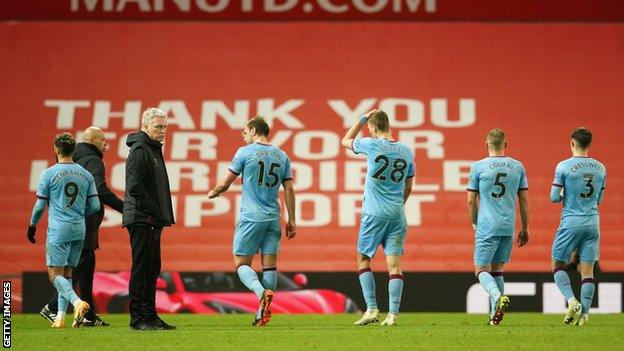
x=485, y=249
x=393, y=244
x=369, y=239
x=395, y=289
x=53, y=273
x=82, y=307
x=501, y=256
x=82, y=281
x=58, y=257
x=563, y=245
x=588, y=254
x=269, y=248
x=246, y=244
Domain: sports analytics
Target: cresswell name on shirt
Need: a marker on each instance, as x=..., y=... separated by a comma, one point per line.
x=579, y=165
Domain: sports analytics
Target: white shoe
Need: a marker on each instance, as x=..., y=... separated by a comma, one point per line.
x=391, y=319
x=370, y=316
x=583, y=319
x=574, y=312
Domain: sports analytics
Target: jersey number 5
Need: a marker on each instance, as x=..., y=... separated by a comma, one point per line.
x=498, y=182
x=71, y=191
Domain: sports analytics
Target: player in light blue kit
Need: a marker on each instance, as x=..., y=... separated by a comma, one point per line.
x=390, y=171
x=580, y=183
x=494, y=184
x=264, y=168
x=70, y=193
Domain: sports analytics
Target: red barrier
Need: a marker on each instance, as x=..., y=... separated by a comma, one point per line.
x=444, y=85
x=314, y=10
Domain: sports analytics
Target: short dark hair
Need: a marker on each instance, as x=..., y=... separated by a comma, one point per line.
x=66, y=143
x=260, y=125
x=582, y=136
x=379, y=120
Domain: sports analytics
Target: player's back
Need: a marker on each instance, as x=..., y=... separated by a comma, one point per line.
x=390, y=163
x=264, y=167
x=497, y=179
x=66, y=186
x=583, y=179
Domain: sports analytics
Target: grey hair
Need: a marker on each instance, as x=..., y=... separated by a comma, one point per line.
x=150, y=114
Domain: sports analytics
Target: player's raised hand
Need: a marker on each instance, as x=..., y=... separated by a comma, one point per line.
x=31, y=234
x=366, y=116
x=523, y=238
x=291, y=229
x=212, y=194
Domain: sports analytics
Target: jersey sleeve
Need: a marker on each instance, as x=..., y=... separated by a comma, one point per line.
x=473, y=178
x=362, y=145
x=92, y=190
x=238, y=162
x=43, y=189
x=287, y=171
x=559, y=180
x=524, y=182
x=411, y=168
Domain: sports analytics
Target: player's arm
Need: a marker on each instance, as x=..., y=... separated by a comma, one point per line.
x=602, y=189
x=223, y=185
x=473, y=205
x=37, y=212
x=556, y=193
x=347, y=140
x=408, y=188
x=523, y=200
x=93, y=205
x=289, y=199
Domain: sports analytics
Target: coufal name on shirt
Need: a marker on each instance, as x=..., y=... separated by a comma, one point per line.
x=501, y=164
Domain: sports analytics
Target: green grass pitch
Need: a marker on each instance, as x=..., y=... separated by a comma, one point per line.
x=424, y=331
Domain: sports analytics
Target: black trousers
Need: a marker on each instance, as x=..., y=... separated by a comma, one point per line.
x=145, y=243
x=82, y=280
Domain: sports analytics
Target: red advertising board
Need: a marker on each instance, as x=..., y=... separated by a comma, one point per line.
x=444, y=87
x=314, y=10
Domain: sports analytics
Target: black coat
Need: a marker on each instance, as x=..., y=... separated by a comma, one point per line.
x=148, y=196
x=90, y=158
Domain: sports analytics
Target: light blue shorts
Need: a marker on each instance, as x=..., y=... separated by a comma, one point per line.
x=492, y=249
x=389, y=232
x=253, y=237
x=585, y=239
x=63, y=253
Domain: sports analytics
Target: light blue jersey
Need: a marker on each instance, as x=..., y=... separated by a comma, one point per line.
x=66, y=186
x=263, y=168
x=390, y=163
x=583, y=180
x=497, y=179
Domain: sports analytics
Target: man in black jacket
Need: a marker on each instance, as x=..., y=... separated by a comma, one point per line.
x=146, y=211
x=89, y=154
